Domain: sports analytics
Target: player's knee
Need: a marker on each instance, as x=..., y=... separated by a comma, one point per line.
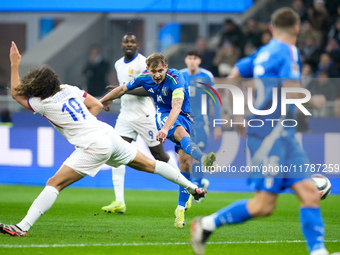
x=161, y=156
x=264, y=211
x=268, y=210
x=311, y=198
x=54, y=183
x=260, y=209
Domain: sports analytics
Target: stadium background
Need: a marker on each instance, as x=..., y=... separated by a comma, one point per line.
x=59, y=34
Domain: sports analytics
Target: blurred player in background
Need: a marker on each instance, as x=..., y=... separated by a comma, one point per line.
x=137, y=117
x=72, y=112
x=171, y=95
x=272, y=145
x=198, y=78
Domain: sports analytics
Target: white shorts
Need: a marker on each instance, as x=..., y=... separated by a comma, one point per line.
x=145, y=127
x=109, y=148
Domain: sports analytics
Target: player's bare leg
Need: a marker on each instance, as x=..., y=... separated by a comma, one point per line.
x=159, y=153
x=63, y=178
x=143, y=163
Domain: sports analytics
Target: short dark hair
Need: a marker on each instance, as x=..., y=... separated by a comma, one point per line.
x=129, y=34
x=193, y=52
x=285, y=19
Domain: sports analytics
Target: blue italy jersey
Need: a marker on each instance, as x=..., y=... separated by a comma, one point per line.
x=162, y=93
x=273, y=64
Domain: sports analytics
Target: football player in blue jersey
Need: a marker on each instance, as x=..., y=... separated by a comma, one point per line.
x=279, y=59
x=198, y=80
x=171, y=95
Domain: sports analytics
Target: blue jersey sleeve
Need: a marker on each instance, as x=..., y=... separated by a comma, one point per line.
x=290, y=64
x=178, y=81
x=245, y=66
x=135, y=83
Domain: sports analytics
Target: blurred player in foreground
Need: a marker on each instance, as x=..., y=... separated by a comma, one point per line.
x=136, y=117
x=72, y=112
x=170, y=92
x=198, y=80
x=278, y=59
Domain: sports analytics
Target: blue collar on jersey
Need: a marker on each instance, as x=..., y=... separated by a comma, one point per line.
x=131, y=59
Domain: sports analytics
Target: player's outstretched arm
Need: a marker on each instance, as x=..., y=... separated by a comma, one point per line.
x=93, y=104
x=138, y=92
x=112, y=95
x=15, y=58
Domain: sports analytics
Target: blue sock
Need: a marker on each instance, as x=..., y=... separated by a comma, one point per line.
x=312, y=228
x=183, y=194
x=191, y=149
x=236, y=212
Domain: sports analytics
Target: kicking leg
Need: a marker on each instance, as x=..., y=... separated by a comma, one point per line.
x=192, y=149
x=159, y=153
x=143, y=163
x=63, y=178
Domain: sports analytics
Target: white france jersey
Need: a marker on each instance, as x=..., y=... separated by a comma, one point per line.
x=133, y=107
x=69, y=115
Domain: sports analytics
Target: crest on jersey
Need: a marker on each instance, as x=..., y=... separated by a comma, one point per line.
x=160, y=99
x=130, y=71
x=164, y=91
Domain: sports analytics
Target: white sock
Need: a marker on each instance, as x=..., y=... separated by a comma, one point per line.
x=173, y=163
x=118, y=175
x=320, y=252
x=41, y=204
x=208, y=223
x=171, y=174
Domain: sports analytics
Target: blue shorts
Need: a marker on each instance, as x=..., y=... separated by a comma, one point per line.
x=182, y=120
x=284, y=153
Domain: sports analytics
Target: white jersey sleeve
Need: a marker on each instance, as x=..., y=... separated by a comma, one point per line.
x=133, y=107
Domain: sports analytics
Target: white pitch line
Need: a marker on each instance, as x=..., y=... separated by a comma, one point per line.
x=150, y=244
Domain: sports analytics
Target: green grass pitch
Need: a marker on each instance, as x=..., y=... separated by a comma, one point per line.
x=76, y=225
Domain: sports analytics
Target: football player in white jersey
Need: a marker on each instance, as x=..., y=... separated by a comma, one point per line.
x=136, y=117
x=72, y=112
